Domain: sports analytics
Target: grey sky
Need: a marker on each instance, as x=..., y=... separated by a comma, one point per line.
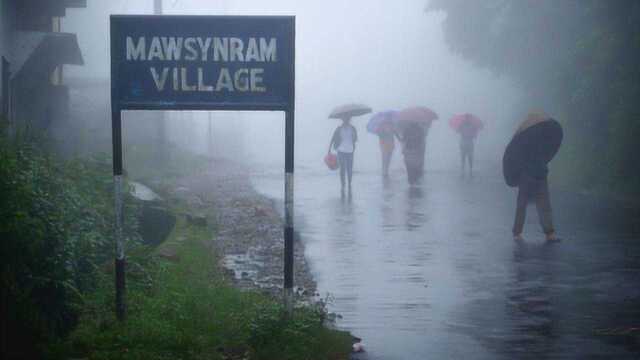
x=386, y=54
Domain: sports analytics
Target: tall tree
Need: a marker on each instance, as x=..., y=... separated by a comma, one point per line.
x=575, y=58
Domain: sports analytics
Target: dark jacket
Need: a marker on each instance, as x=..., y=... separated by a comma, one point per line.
x=414, y=139
x=536, y=169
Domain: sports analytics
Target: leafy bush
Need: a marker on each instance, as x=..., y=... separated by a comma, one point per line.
x=273, y=335
x=56, y=230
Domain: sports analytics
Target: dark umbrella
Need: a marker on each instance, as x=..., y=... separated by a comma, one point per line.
x=537, y=139
x=349, y=111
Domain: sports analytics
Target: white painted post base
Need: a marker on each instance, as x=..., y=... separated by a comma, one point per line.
x=288, y=301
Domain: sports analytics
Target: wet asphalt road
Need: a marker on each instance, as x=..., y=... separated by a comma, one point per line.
x=431, y=272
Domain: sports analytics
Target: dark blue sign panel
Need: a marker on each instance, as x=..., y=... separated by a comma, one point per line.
x=202, y=62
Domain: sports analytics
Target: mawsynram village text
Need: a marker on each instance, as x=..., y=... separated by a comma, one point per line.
x=219, y=50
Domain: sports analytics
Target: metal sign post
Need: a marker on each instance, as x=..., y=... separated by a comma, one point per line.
x=6, y=74
x=288, y=212
x=116, y=133
x=202, y=63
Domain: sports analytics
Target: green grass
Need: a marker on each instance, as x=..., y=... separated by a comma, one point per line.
x=184, y=309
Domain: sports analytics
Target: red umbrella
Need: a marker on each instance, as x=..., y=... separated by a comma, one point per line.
x=419, y=114
x=457, y=120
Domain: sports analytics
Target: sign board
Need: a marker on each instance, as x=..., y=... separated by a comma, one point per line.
x=202, y=62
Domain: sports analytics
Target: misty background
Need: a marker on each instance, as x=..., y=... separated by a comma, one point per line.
x=400, y=261
x=388, y=56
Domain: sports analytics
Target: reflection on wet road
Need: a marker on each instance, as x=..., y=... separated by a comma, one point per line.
x=432, y=272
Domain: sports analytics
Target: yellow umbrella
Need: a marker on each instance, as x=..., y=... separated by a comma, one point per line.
x=534, y=118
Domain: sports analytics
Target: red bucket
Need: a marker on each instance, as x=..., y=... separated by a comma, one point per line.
x=332, y=161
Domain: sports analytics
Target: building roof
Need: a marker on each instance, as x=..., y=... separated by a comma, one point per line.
x=75, y=3
x=36, y=52
x=48, y=7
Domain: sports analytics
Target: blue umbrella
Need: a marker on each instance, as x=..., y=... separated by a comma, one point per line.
x=376, y=121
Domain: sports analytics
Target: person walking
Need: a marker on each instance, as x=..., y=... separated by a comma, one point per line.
x=525, y=161
x=534, y=187
x=382, y=124
x=467, y=126
x=414, y=123
x=344, y=141
x=386, y=135
x=413, y=147
x=468, y=133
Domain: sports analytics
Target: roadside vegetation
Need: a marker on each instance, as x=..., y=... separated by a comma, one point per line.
x=181, y=307
x=57, y=278
x=56, y=235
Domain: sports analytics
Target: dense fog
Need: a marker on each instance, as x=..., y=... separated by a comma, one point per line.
x=383, y=54
x=506, y=228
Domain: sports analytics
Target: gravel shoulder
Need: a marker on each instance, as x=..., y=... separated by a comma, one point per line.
x=249, y=233
x=249, y=230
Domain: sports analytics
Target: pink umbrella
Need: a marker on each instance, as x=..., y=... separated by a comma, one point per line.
x=419, y=114
x=457, y=120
